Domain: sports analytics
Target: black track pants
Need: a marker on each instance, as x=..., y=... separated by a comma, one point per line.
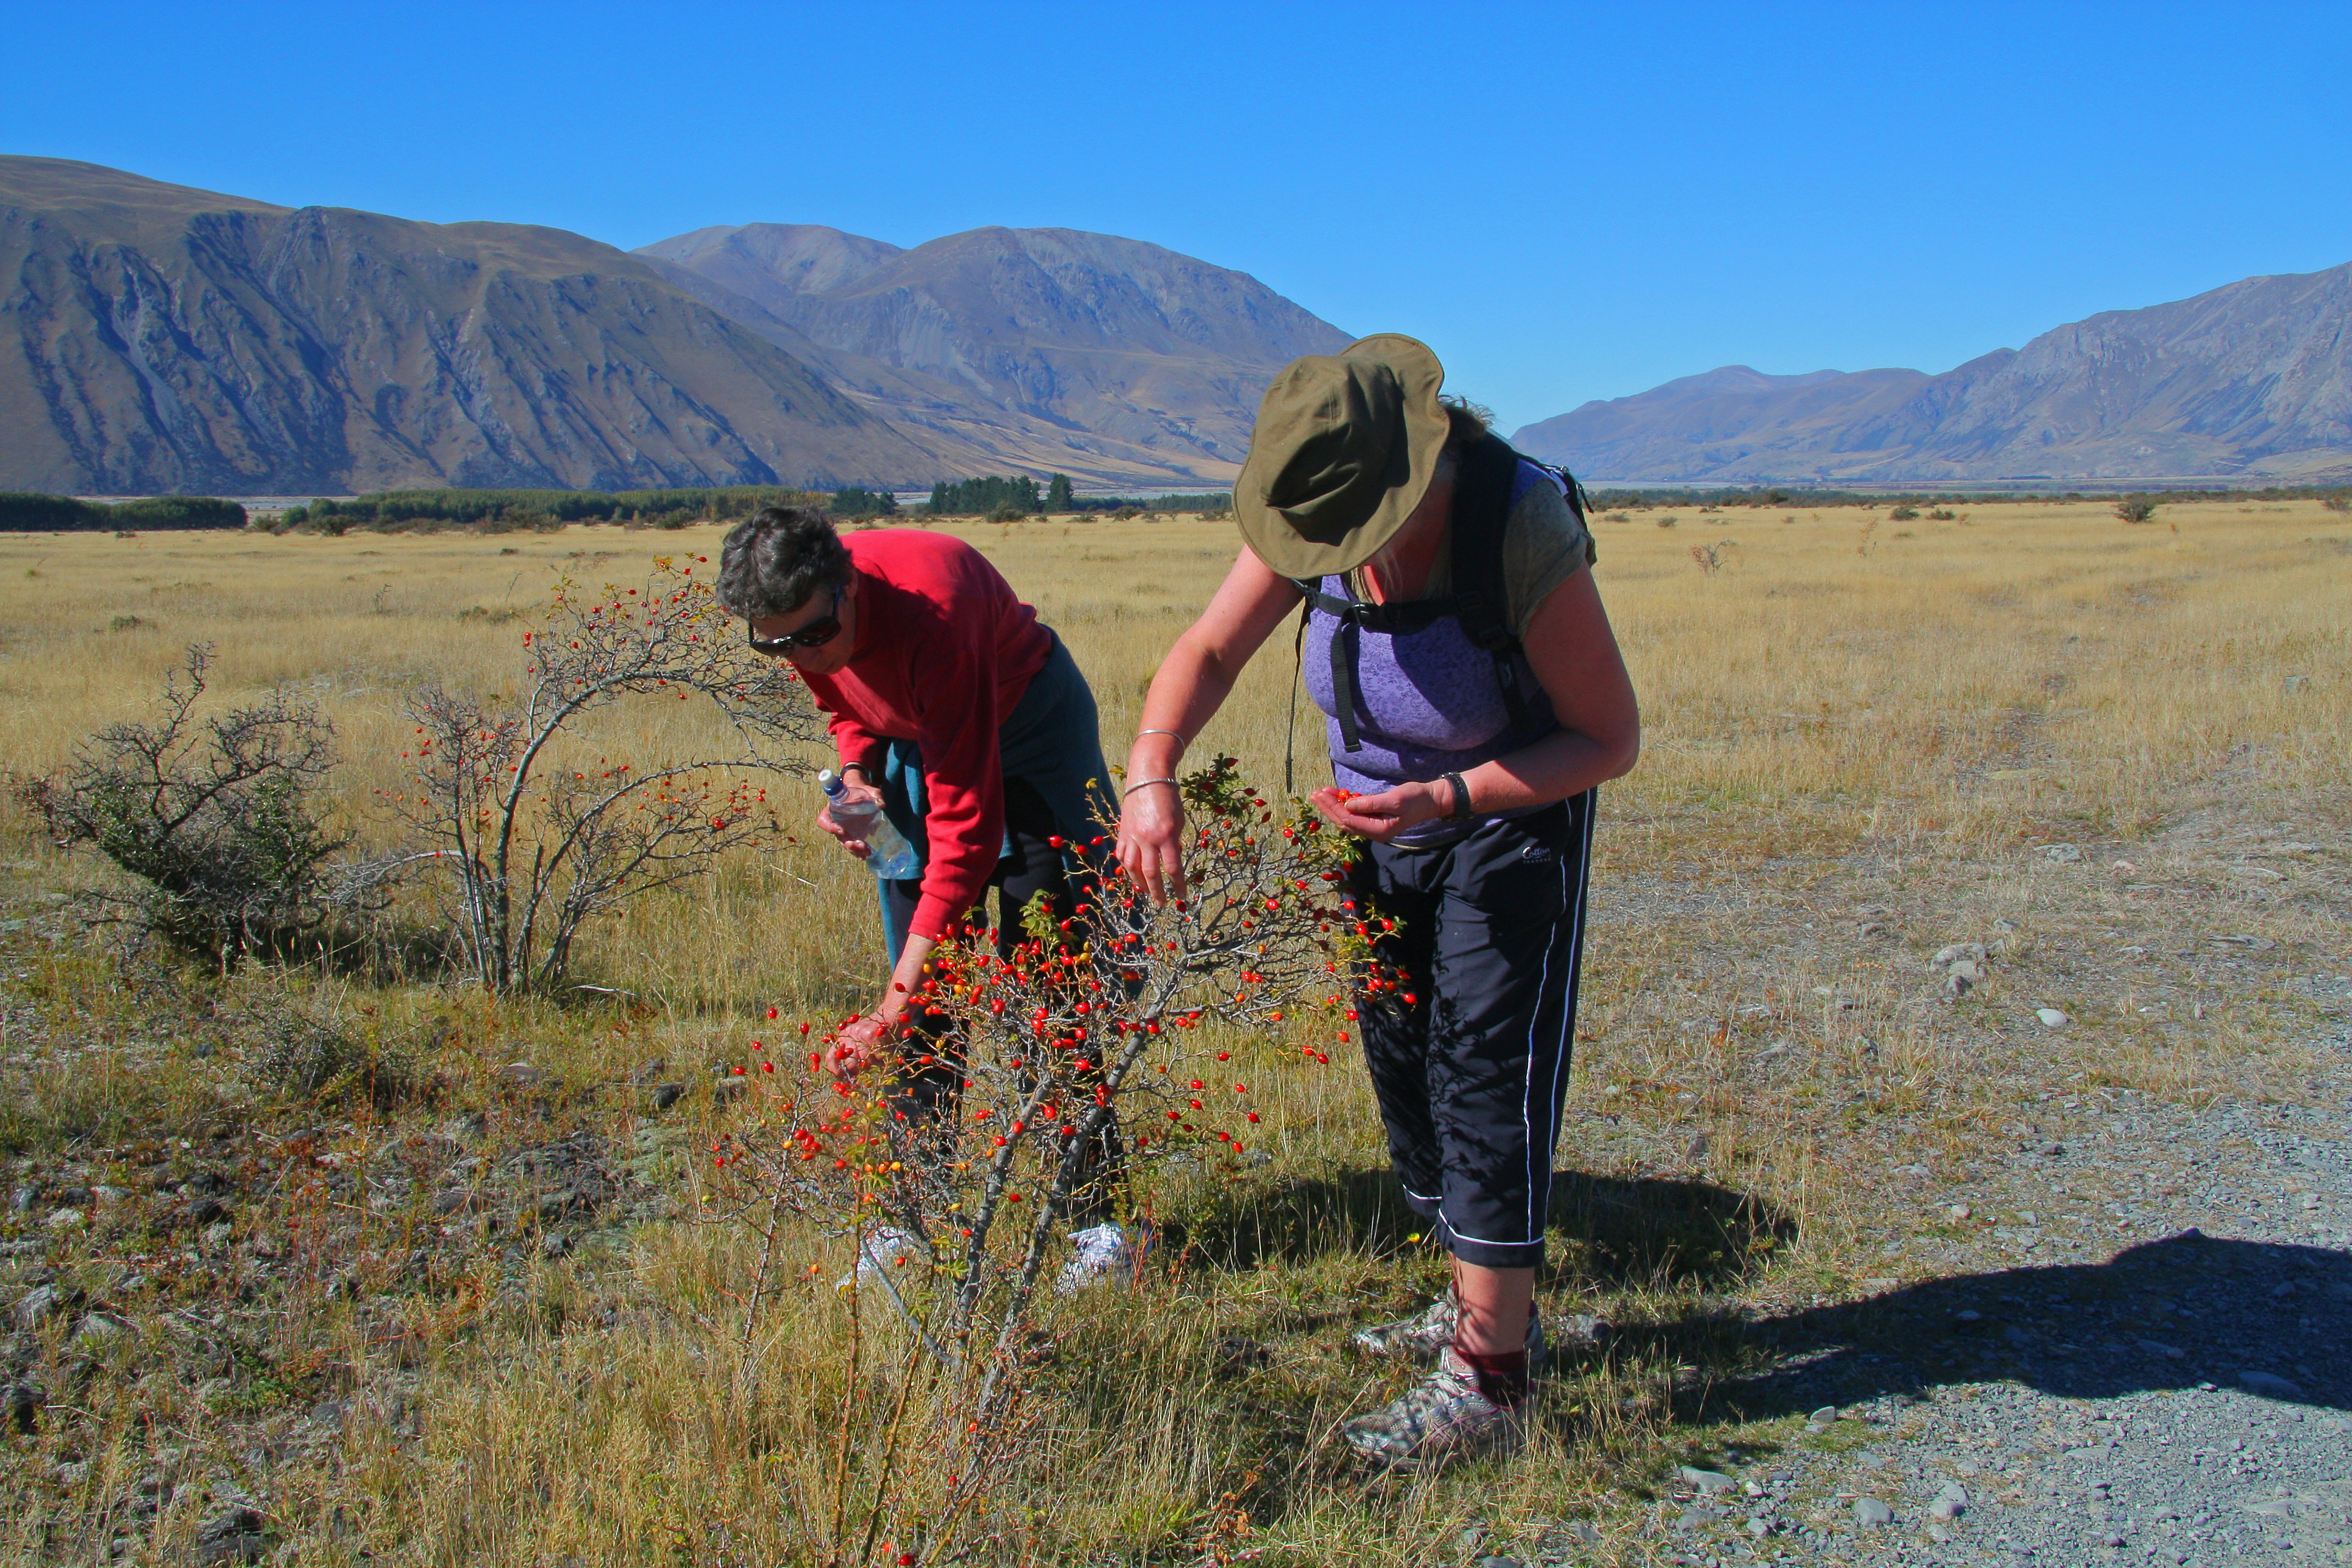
x=1470, y=1074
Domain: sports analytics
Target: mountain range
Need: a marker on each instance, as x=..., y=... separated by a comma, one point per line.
x=2249, y=384
x=156, y=338
x=1037, y=343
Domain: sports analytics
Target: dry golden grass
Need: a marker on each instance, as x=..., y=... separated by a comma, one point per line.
x=1857, y=738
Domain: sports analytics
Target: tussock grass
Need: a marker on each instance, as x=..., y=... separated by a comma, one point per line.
x=1851, y=758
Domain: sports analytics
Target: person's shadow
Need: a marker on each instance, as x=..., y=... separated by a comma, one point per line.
x=2271, y=1318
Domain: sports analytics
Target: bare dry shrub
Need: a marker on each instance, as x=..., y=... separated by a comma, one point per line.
x=538, y=837
x=216, y=817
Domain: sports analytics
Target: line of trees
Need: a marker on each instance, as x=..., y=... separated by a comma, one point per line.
x=1017, y=495
x=27, y=513
x=985, y=496
x=502, y=511
x=854, y=501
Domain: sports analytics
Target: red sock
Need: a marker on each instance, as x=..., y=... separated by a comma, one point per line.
x=1501, y=1378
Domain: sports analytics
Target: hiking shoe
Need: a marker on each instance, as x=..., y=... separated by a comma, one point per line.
x=1098, y=1252
x=1441, y=1418
x=1422, y=1336
x=888, y=1251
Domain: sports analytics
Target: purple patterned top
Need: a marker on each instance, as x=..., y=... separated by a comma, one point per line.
x=1428, y=703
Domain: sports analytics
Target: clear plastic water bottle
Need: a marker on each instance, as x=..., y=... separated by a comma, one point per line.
x=888, y=854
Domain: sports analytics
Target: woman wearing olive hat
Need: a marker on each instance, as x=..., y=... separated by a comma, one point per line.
x=1476, y=698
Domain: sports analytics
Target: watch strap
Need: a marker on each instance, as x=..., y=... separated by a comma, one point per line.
x=1461, y=812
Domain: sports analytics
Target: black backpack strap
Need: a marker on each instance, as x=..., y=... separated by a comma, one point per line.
x=1486, y=472
x=1344, y=644
x=1579, y=506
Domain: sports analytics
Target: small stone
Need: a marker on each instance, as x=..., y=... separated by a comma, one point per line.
x=1872, y=1515
x=22, y=1402
x=233, y=1535
x=36, y=1304
x=2051, y=1018
x=2271, y=1384
x=1957, y=1211
x=1950, y=1503
x=1705, y=1482
x=99, y=1329
x=1759, y=1527
x=1963, y=979
x=1577, y=1331
x=217, y=1236
x=1957, y=953
x=110, y=1194
x=2062, y=854
x=667, y=1095
x=1939, y=1534
x=520, y=1075
x=21, y=1201
x=64, y=1219
x=1824, y=1417
x=2158, y=1347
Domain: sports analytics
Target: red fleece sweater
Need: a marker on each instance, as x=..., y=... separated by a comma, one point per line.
x=944, y=652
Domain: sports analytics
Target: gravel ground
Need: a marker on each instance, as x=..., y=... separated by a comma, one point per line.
x=2141, y=1357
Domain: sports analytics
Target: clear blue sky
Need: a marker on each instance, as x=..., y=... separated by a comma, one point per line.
x=1567, y=202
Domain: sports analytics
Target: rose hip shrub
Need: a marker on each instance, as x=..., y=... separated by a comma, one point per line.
x=1100, y=1025
x=539, y=835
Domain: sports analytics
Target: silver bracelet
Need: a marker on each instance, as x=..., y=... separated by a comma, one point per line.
x=1182, y=745
x=1142, y=783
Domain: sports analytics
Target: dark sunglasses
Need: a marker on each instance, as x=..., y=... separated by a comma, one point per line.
x=816, y=634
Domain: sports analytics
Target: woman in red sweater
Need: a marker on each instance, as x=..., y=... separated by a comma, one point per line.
x=964, y=716
x=937, y=675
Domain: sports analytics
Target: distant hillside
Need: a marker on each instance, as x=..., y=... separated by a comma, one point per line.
x=156, y=338
x=2250, y=382
x=1152, y=355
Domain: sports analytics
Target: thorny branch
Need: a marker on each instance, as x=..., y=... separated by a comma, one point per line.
x=952, y=1172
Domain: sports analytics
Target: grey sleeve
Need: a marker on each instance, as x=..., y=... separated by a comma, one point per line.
x=1543, y=546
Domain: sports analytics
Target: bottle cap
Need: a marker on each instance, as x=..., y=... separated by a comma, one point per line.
x=829, y=781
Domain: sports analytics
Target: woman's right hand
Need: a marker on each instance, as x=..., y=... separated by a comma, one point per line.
x=851, y=794
x=1151, y=841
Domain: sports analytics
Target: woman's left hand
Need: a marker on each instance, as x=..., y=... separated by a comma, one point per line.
x=1383, y=816
x=858, y=1046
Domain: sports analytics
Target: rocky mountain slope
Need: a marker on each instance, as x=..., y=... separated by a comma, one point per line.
x=1049, y=333
x=156, y=338
x=2250, y=382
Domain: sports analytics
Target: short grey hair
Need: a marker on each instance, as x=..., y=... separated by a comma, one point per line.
x=776, y=560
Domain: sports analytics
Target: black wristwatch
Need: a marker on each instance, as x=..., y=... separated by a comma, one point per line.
x=1461, y=812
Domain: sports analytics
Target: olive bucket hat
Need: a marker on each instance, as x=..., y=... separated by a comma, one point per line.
x=1342, y=453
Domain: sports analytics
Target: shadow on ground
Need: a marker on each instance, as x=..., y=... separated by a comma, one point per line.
x=2268, y=1317
x=1604, y=1231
